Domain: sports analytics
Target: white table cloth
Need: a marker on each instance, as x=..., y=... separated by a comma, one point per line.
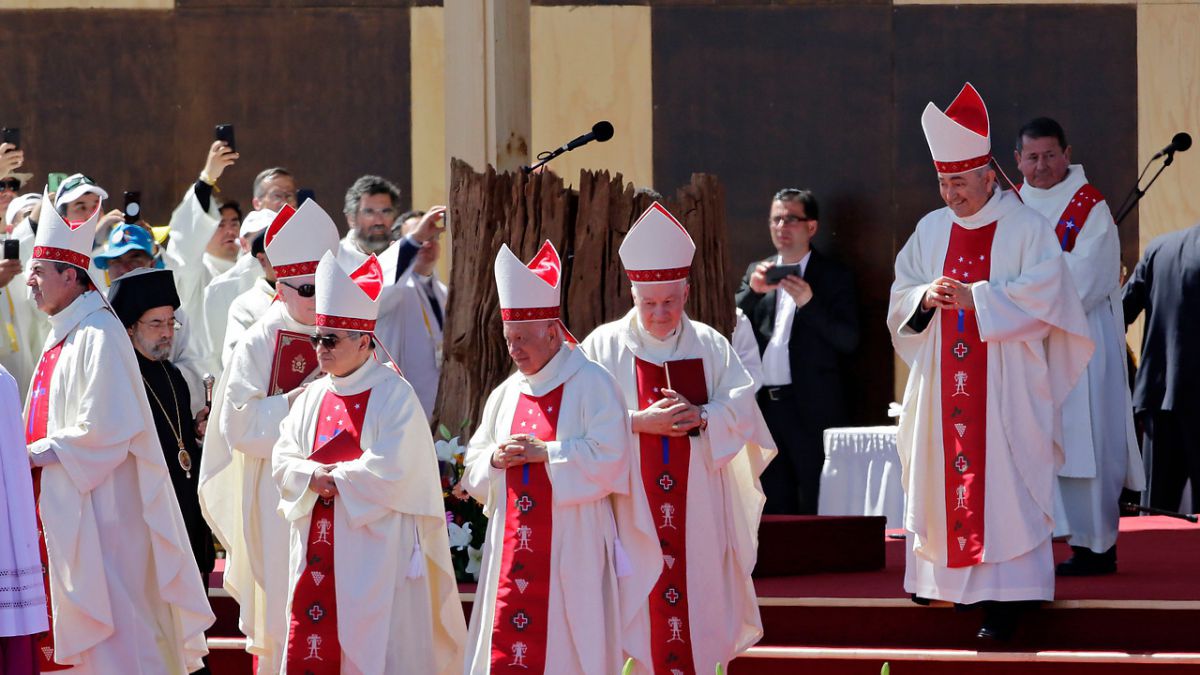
x=861, y=476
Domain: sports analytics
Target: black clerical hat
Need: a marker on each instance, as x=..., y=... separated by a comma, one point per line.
x=141, y=290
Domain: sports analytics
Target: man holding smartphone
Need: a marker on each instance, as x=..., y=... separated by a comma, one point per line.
x=802, y=308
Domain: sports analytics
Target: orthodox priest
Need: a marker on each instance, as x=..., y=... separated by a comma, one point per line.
x=692, y=417
x=1099, y=442
x=984, y=312
x=571, y=552
x=372, y=584
x=105, y=497
x=269, y=369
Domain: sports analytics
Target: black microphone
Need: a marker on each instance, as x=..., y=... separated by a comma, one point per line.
x=1179, y=143
x=602, y=131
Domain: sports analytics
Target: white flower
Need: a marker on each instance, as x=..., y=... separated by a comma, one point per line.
x=446, y=450
x=460, y=535
x=474, y=560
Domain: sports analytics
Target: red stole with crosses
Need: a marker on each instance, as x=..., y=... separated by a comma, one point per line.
x=312, y=645
x=964, y=366
x=523, y=593
x=35, y=430
x=665, y=461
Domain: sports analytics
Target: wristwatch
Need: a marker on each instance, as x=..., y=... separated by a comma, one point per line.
x=703, y=418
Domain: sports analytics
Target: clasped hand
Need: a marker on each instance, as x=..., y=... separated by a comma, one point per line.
x=517, y=450
x=947, y=293
x=322, y=482
x=671, y=415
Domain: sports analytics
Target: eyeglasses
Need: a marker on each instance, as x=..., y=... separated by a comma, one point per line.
x=788, y=220
x=304, y=290
x=388, y=213
x=328, y=340
x=159, y=324
x=11, y=184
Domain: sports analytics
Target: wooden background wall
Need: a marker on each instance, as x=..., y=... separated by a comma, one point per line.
x=763, y=93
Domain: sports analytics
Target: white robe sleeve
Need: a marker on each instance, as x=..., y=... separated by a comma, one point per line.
x=587, y=467
x=731, y=407
x=479, y=474
x=250, y=419
x=913, y=277
x=1095, y=262
x=99, y=439
x=191, y=229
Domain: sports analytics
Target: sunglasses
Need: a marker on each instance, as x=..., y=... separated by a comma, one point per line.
x=304, y=290
x=10, y=184
x=329, y=340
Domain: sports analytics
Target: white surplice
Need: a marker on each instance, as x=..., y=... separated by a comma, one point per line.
x=1036, y=334
x=398, y=609
x=246, y=309
x=239, y=497
x=191, y=229
x=126, y=593
x=724, y=499
x=411, y=334
x=599, y=506
x=218, y=297
x=22, y=591
x=1102, y=454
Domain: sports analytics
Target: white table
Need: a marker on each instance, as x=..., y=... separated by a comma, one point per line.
x=861, y=476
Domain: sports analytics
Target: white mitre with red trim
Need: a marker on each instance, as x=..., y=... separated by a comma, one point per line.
x=60, y=241
x=530, y=292
x=657, y=249
x=960, y=139
x=298, y=238
x=348, y=300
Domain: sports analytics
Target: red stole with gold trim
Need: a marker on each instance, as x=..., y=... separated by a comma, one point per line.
x=519, y=631
x=294, y=360
x=964, y=366
x=665, y=461
x=35, y=430
x=313, y=647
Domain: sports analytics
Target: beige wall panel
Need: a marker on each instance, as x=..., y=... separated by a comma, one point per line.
x=87, y=4
x=591, y=64
x=428, y=107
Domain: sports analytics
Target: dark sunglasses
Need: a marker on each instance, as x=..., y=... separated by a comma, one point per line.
x=329, y=341
x=305, y=290
x=10, y=184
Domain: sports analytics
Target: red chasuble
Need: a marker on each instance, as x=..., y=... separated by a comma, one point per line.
x=964, y=365
x=294, y=360
x=665, y=461
x=312, y=645
x=1075, y=215
x=523, y=594
x=35, y=430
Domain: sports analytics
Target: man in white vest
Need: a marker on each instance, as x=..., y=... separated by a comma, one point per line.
x=1102, y=454
x=571, y=550
x=692, y=419
x=984, y=312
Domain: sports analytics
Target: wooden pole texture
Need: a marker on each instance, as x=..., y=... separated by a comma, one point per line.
x=587, y=227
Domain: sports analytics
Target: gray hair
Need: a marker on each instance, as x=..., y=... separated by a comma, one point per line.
x=266, y=175
x=370, y=185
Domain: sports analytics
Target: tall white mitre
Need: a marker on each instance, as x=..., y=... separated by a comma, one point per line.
x=298, y=238
x=960, y=139
x=658, y=249
x=348, y=300
x=530, y=292
x=59, y=241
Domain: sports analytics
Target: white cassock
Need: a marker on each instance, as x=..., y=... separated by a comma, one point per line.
x=30, y=324
x=246, y=309
x=592, y=607
x=191, y=229
x=22, y=595
x=411, y=333
x=746, y=348
x=1100, y=443
x=398, y=609
x=724, y=497
x=109, y=512
x=218, y=298
x=1036, y=337
x=239, y=497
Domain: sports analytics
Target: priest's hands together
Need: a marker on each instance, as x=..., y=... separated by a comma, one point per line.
x=517, y=450
x=671, y=415
x=322, y=482
x=947, y=293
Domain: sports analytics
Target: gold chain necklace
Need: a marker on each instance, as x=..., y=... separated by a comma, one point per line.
x=184, y=457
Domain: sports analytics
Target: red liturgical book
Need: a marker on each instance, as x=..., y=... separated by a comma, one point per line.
x=686, y=378
x=294, y=360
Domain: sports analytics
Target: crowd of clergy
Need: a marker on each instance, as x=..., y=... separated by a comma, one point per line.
x=258, y=380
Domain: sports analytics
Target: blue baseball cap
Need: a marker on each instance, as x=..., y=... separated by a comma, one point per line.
x=123, y=239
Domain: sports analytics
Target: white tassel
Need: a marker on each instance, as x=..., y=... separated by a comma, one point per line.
x=416, y=563
x=624, y=566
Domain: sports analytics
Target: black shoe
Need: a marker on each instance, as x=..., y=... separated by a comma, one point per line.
x=1000, y=620
x=1086, y=563
x=924, y=602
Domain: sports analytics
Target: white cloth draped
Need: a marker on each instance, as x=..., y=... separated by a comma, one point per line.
x=596, y=503
x=109, y=512
x=22, y=592
x=410, y=333
x=218, y=298
x=1035, y=331
x=388, y=622
x=724, y=500
x=191, y=229
x=246, y=309
x=861, y=475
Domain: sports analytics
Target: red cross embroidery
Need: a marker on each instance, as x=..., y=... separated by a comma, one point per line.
x=961, y=350
x=315, y=612
x=520, y=620
x=666, y=482
x=672, y=595
x=524, y=504
x=960, y=464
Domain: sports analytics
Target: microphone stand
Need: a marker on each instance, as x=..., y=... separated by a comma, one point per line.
x=1138, y=192
x=544, y=158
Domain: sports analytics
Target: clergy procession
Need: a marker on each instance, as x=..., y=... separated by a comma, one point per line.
x=235, y=421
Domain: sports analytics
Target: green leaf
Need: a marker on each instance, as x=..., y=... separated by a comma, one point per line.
x=443, y=432
x=886, y=669
x=628, y=667
x=466, y=424
x=720, y=669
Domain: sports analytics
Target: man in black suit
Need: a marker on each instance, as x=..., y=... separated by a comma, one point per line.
x=1166, y=394
x=806, y=325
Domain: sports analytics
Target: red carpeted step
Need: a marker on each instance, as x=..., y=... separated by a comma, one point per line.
x=755, y=666
x=794, y=545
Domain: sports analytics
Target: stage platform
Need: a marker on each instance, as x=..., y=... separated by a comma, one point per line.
x=1142, y=619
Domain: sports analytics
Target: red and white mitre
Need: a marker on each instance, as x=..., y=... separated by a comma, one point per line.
x=60, y=241
x=298, y=238
x=658, y=249
x=530, y=292
x=348, y=300
x=960, y=139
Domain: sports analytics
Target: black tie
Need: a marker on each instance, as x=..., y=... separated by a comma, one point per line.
x=433, y=302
